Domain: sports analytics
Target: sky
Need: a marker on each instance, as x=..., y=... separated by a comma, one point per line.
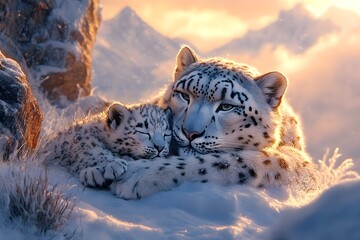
x=212, y=23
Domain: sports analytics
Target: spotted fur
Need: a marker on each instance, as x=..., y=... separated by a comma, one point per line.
x=95, y=148
x=230, y=124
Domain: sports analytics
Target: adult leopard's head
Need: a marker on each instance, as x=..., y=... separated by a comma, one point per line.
x=219, y=105
x=143, y=131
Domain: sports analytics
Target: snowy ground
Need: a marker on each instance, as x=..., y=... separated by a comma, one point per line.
x=335, y=215
x=195, y=211
x=201, y=211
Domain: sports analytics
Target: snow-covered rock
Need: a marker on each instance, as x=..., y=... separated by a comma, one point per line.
x=20, y=115
x=55, y=38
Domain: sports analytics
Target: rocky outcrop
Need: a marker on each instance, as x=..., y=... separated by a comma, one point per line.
x=55, y=37
x=20, y=115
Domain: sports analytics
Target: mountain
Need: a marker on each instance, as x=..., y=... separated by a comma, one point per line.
x=130, y=55
x=296, y=29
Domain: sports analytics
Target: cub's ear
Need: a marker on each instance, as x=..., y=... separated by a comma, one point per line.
x=116, y=114
x=185, y=58
x=273, y=85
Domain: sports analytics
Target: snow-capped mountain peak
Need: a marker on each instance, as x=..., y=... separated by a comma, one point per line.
x=125, y=22
x=127, y=42
x=296, y=29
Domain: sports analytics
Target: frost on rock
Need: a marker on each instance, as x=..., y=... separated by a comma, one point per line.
x=20, y=115
x=55, y=38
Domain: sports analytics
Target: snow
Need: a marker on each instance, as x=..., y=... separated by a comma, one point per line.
x=335, y=215
x=191, y=211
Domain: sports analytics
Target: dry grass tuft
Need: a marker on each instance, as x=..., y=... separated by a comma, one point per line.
x=28, y=201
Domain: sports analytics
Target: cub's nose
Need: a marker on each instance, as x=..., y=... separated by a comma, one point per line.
x=158, y=142
x=192, y=135
x=159, y=148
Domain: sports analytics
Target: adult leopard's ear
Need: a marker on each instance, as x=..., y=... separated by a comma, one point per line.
x=273, y=85
x=168, y=113
x=116, y=114
x=184, y=59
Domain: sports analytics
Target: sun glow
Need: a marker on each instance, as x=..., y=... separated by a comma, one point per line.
x=92, y=216
x=204, y=27
x=318, y=8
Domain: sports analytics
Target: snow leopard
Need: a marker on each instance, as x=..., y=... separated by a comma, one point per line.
x=97, y=148
x=231, y=125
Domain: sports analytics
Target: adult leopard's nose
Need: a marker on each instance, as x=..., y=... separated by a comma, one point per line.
x=192, y=135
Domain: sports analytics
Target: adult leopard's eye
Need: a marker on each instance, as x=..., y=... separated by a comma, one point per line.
x=183, y=96
x=225, y=107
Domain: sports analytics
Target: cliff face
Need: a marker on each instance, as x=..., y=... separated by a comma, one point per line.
x=20, y=115
x=55, y=38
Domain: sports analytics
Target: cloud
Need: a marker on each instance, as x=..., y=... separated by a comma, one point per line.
x=326, y=91
x=184, y=25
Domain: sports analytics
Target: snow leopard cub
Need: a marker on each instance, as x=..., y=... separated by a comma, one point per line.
x=95, y=147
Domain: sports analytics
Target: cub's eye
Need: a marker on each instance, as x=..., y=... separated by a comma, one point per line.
x=225, y=107
x=184, y=96
x=143, y=133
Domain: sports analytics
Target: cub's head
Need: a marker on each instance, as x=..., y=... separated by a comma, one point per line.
x=219, y=105
x=139, y=132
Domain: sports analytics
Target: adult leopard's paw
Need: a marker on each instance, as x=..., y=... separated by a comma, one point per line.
x=93, y=177
x=131, y=186
x=144, y=178
x=103, y=175
x=125, y=190
x=115, y=169
x=139, y=184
